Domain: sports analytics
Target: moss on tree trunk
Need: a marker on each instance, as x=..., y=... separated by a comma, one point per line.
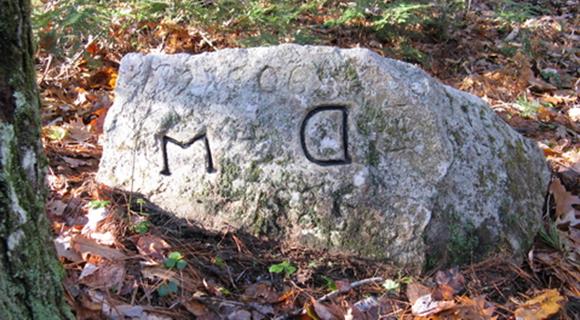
x=30, y=274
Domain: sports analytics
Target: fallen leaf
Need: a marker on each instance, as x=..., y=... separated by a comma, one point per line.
x=473, y=309
x=416, y=290
x=540, y=307
x=64, y=248
x=426, y=306
x=156, y=273
x=124, y=310
x=75, y=163
x=55, y=207
x=195, y=308
x=78, y=131
x=540, y=85
x=109, y=275
x=261, y=292
x=566, y=212
x=104, y=238
x=85, y=246
x=152, y=246
x=88, y=269
x=323, y=312
x=94, y=216
x=449, y=283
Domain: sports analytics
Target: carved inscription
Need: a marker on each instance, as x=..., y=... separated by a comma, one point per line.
x=324, y=136
x=183, y=145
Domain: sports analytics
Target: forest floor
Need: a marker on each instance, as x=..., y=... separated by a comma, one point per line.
x=124, y=260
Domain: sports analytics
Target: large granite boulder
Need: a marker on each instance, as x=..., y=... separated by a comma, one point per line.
x=339, y=149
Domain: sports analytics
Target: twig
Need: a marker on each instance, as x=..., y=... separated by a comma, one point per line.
x=352, y=286
x=333, y=294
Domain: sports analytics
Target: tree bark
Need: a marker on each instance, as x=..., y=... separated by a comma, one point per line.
x=30, y=275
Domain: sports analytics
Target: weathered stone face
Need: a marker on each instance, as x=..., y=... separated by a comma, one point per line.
x=340, y=149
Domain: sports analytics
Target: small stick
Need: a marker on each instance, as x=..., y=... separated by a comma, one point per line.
x=353, y=285
x=333, y=294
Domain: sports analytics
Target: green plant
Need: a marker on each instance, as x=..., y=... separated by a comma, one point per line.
x=141, y=203
x=510, y=11
x=141, y=227
x=529, y=108
x=550, y=236
x=55, y=133
x=167, y=289
x=283, y=267
x=391, y=285
x=330, y=284
x=175, y=260
x=97, y=204
x=218, y=261
x=224, y=291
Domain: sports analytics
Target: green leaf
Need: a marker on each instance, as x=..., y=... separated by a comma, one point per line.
x=276, y=268
x=391, y=285
x=56, y=133
x=290, y=269
x=406, y=280
x=97, y=204
x=170, y=263
x=141, y=227
x=285, y=267
x=167, y=289
x=181, y=264
x=163, y=291
x=218, y=261
x=330, y=284
x=224, y=291
x=175, y=255
x=172, y=286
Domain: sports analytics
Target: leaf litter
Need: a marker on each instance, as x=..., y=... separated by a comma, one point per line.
x=525, y=69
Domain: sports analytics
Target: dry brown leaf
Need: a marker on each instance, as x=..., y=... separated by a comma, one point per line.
x=327, y=312
x=55, y=207
x=78, y=132
x=449, y=283
x=155, y=273
x=426, y=306
x=417, y=290
x=540, y=85
x=106, y=275
x=565, y=202
x=152, y=246
x=104, y=78
x=64, y=248
x=473, y=309
x=196, y=308
x=85, y=246
x=261, y=292
x=75, y=163
x=540, y=307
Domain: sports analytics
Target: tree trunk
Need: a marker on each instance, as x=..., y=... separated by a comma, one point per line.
x=30, y=275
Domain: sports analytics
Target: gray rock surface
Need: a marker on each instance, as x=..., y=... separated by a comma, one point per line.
x=332, y=148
